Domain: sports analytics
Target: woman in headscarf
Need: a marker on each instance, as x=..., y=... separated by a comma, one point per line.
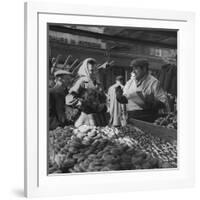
x=82, y=98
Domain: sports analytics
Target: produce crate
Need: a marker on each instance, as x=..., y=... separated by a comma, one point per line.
x=167, y=134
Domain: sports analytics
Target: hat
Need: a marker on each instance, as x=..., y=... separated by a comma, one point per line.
x=62, y=72
x=91, y=60
x=119, y=78
x=139, y=62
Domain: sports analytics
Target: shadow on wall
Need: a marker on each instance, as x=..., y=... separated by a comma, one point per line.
x=18, y=192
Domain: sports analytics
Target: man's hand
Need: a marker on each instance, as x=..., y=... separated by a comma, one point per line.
x=158, y=105
x=152, y=103
x=149, y=101
x=120, y=97
x=119, y=91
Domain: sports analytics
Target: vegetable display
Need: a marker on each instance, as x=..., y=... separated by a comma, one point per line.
x=169, y=121
x=90, y=149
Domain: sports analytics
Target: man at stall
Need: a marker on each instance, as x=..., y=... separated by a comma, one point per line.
x=57, y=95
x=142, y=94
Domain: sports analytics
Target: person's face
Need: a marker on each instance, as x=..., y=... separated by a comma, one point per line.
x=65, y=80
x=119, y=81
x=58, y=79
x=91, y=68
x=132, y=74
x=139, y=72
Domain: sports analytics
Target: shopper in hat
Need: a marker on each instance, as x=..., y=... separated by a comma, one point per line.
x=63, y=80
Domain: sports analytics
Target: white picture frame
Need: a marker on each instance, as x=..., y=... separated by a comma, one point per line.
x=37, y=182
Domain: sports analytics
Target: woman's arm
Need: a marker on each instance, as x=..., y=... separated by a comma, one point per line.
x=73, y=98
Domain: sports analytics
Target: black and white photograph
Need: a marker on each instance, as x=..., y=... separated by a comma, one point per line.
x=112, y=98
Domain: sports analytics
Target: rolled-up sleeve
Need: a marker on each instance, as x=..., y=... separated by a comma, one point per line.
x=159, y=93
x=72, y=98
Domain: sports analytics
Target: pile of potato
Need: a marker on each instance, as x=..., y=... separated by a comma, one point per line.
x=90, y=149
x=169, y=121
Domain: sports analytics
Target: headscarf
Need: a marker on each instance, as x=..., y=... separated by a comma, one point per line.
x=83, y=70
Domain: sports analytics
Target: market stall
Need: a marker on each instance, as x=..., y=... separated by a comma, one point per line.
x=138, y=145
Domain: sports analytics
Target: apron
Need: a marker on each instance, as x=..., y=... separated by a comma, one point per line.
x=136, y=107
x=134, y=95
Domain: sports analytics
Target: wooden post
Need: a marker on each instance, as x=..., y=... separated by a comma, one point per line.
x=72, y=65
x=66, y=61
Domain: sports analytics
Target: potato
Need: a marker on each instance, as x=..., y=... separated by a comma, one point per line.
x=106, y=148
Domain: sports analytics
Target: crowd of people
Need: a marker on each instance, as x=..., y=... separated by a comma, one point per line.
x=80, y=99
